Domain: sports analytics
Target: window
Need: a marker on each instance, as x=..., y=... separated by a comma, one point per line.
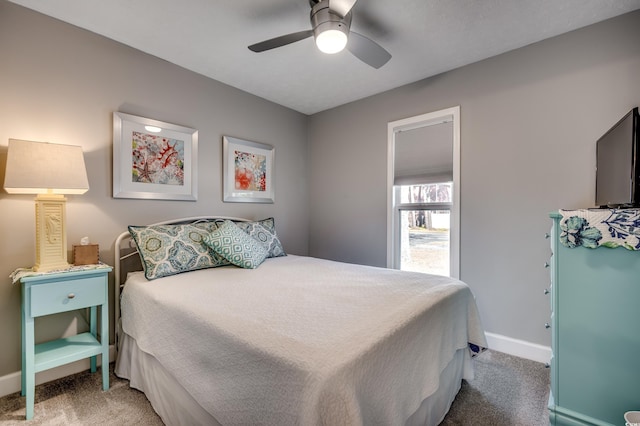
x=423, y=191
x=425, y=223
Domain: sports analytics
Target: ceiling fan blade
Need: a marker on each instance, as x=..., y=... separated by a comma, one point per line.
x=341, y=7
x=280, y=41
x=367, y=50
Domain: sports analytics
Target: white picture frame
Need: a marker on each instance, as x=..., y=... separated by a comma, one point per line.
x=247, y=171
x=153, y=159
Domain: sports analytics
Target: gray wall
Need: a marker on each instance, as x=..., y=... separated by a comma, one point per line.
x=61, y=84
x=529, y=118
x=529, y=122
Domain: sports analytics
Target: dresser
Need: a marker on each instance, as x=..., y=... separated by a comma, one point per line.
x=595, y=316
x=52, y=293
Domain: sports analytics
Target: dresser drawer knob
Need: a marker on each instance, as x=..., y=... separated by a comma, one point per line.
x=71, y=295
x=546, y=291
x=547, y=365
x=546, y=264
x=546, y=235
x=547, y=325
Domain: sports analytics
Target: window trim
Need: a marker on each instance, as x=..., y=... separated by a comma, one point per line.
x=393, y=234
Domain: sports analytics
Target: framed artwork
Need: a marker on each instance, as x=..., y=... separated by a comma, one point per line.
x=153, y=159
x=247, y=171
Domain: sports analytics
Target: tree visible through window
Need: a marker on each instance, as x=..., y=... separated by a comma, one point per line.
x=425, y=227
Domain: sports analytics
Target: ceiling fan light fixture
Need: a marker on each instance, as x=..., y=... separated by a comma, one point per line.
x=330, y=30
x=331, y=41
x=330, y=27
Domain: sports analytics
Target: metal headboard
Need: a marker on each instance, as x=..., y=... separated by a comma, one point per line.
x=127, y=259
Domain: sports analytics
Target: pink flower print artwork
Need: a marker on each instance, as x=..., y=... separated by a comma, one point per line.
x=250, y=171
x=157, y=159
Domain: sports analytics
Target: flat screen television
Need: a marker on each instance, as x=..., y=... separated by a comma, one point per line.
x=618, y=164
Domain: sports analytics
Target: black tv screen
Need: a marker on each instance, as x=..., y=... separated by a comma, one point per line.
x=617, y=167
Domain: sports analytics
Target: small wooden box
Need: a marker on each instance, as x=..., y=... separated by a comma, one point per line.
x=86, y=255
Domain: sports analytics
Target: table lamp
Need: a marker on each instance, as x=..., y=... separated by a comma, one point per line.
x=50, y=171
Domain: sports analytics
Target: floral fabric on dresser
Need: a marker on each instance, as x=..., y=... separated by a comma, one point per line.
x=593, y=228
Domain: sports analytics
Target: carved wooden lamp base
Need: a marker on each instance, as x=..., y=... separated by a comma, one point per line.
x=51, y=233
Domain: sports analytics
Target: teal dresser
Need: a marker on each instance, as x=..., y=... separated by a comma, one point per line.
x=595, y=316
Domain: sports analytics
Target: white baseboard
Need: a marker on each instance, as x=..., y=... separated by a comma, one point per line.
x=12, y=382
x=519, y=348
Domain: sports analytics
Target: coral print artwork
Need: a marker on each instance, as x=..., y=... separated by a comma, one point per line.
x=250, y=171
x=157, y=159
x=247, y=171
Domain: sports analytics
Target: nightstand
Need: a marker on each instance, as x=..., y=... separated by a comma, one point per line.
x=51, y=293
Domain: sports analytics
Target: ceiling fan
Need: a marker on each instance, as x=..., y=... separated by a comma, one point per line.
x=330, y=26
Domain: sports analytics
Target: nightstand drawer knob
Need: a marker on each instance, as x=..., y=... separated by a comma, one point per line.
x=546, y=291
x=71, y=295
x=547, y=236
x=546, y=264
x=547, y=325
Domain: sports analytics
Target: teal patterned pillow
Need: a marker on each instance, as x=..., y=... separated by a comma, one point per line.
x=265, y=232
x=236, y=246
x=171, y=249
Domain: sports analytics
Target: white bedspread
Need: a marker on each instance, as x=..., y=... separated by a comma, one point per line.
x=303, y=341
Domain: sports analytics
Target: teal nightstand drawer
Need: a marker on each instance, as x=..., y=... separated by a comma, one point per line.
x=48, y=298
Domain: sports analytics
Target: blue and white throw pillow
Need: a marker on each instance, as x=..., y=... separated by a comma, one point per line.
x=265, y=232
x=236, y=246
x=171, y=249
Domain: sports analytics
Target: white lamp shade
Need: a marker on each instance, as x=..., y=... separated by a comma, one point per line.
x=45, y=168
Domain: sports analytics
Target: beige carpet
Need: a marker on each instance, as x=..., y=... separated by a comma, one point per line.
x=79, y=400
x=507, y=391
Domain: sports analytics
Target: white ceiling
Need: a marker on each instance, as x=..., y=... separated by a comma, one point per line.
x=425, y=37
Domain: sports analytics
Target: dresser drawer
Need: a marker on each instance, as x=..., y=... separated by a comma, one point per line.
x=50, y=298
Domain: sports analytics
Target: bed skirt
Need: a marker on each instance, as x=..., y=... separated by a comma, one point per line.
x=176, y=406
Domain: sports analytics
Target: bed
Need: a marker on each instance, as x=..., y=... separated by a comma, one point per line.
x=293, y=340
